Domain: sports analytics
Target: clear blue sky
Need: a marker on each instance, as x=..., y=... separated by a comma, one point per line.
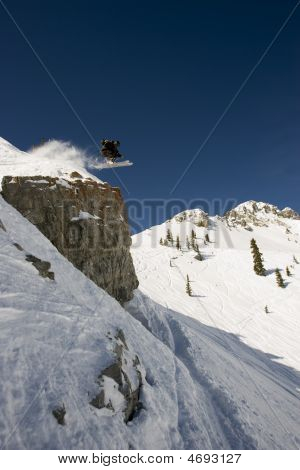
x=157, y=75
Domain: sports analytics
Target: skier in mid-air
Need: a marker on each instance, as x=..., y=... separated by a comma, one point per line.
x=110, y=150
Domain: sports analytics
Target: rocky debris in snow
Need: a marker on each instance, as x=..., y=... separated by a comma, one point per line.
x=59, y=414
x=120, y=336
x=86, y=221
x=75, y=174
x=2, y=226
x=123, y=376
x=19, y=247
x=42, y=266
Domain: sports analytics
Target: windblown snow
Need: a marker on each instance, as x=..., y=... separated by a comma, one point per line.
x=54, y=159
x=218, y=372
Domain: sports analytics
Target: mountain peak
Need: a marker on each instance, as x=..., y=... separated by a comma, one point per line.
x=196, y=216
x=259, y=214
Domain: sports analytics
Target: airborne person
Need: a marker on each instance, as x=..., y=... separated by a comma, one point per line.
x=110, y=150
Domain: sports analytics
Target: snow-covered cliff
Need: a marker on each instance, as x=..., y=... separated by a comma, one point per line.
x=82, y=216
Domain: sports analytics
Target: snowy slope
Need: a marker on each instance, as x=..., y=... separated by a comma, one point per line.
x=54, y=159
x=227, y=306
x=217, y=372
x=227, y=292
x=54, y=340
x=202, y=388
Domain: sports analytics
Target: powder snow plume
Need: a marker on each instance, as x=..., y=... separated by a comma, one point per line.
x=59, y=151
x=54, y=158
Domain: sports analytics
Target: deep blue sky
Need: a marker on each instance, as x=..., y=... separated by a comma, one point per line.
x=157, y=75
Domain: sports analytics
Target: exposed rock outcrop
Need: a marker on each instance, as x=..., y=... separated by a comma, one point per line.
x=59, y=414
x=289, y=213
x=85, y=220
x=41, y=266
x=196, y=216
x=126, y=376
x=258, y=214
x=2, y=226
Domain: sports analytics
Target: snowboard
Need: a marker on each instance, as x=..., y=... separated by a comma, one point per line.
x=110, y=165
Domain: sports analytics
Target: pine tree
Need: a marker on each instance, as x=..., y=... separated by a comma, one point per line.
x=266, y=309
x=295, y=259
x=257, y=259
x=188, y=288
x=188, y=245
x=161, y=241
x=193, y=235
x=288, y=272
x=207, y=238
x=193, y=243
x=279, y=278
x=170, y=237
x=178, y=246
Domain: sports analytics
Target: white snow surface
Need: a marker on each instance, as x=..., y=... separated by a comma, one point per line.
x=217, y=371
x=227, y=292
x=203, y=387
x=54, y=338
x=54, y=159
x=224, y=322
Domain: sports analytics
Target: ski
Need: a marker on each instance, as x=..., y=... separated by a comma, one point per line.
x=109, y=165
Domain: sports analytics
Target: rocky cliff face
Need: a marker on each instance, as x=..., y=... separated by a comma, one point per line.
x=85, y=220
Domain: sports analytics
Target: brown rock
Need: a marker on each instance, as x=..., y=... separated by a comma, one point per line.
x=87, y=223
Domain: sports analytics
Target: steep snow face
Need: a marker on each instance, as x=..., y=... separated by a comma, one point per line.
x=258, y=214
x=56, y=338
x=54, y=159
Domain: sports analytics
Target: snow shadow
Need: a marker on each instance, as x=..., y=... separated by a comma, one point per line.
x=270, y=271
x=253, y=398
